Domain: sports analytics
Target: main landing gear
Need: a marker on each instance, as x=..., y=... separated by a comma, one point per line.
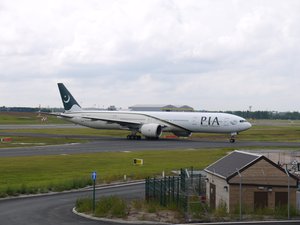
x=232, y=137
x=134, y=137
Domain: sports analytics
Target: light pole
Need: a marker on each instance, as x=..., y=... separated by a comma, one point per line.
x=94, y=177
x=240, y=192
x=288, y=175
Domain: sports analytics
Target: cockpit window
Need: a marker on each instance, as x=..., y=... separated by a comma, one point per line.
x=243, y=121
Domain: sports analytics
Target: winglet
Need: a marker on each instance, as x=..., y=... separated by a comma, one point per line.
x=70, y=104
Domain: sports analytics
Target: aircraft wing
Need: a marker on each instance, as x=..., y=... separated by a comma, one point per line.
x=131, y=124
x=58, y=114
x=63, y=116
x=124, y=123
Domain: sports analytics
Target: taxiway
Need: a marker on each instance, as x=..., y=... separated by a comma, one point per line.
x=113, y=144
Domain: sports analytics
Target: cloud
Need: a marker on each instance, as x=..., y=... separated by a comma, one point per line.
x=208, y=54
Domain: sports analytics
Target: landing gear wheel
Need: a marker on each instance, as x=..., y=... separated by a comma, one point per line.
x=232, y=137
x=133, y=137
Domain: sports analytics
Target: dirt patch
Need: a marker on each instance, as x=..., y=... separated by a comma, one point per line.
x=162, y=216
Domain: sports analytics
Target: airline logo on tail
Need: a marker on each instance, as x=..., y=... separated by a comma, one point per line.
x=68, y=100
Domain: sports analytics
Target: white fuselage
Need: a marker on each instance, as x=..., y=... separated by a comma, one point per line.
x=196, y=122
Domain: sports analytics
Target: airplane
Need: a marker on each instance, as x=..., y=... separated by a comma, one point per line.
x=152, y=124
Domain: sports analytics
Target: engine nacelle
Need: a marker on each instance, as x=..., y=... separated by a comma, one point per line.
x=151, y=130
x=182, y=133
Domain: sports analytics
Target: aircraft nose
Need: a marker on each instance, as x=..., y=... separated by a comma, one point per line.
x=248, y=125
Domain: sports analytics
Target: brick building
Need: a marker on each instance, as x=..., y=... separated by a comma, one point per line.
x=263, y=182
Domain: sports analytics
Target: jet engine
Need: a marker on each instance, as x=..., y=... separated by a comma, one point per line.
x=151, y=130
x=182, y=133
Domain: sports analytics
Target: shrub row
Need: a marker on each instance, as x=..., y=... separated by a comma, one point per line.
x=110, y=207
x=23, y=189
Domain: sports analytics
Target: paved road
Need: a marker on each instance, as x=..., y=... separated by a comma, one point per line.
x=57, y=209
x=104, y=144
x=289, y=222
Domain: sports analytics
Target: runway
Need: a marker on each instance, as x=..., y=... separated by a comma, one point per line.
x=113, y=144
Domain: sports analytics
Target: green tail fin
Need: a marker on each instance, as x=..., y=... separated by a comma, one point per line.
x=68, y=100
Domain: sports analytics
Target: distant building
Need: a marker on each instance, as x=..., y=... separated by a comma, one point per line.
x=264, y=184
x=112, y=108
x=161, y=107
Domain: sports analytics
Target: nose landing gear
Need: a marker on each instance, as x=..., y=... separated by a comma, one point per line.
x=232, y=137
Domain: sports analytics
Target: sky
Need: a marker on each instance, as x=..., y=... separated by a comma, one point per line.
x=208, y=54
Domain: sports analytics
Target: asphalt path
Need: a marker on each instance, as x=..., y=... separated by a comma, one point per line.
x=57, y=208
x=114, y=144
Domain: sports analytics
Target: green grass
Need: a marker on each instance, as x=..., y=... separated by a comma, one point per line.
x=272, y=133
x=44, y=173
x=84, y=131
x=19, y=141
x=256, y=133
x=27, y=118
x=117, y=207
x=111, y=206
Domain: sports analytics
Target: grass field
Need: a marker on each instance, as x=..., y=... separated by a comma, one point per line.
x=19, y=141
x=27, y=118
x=44, y=173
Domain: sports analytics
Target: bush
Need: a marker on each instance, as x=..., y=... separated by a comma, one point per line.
x=221, y=210
x=111, y=206
x=281, y=212
x=138, y=204
x=198, y=210
x=12, y=191
x=153, y=207
x=84, y=205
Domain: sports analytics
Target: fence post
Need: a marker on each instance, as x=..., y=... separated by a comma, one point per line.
x=177, y=198
x=154, y=188
x=160, y=194
x=165, y=191
x=173, y=189
x=200, y=186
x=147, y=189
x=192, y=175
x=169, y=190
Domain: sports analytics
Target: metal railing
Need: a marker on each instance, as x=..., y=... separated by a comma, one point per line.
x=182, y=191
